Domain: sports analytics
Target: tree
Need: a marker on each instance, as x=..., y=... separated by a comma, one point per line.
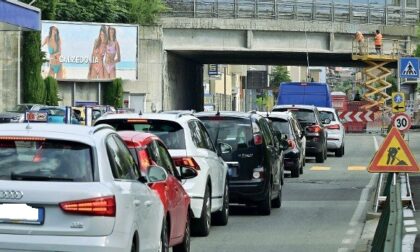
x=51, y=89
x=33, y=84
x=113, y=94
x=279, y=75
x=146, y=12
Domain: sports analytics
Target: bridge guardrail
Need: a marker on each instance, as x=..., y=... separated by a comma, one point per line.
x=388, y=235
x=297, y=10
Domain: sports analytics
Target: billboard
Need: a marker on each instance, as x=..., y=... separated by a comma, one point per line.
x=89, y=51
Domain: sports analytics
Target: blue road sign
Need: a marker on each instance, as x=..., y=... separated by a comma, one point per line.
x=409, y=68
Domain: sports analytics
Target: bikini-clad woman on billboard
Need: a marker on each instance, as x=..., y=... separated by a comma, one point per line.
x=112, y=56
x=96, y=67
x=54, y=49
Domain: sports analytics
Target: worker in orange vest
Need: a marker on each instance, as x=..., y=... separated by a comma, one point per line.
x=378, y=42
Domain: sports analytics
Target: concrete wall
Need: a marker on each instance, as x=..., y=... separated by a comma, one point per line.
x=8, y=70
x=183, y=81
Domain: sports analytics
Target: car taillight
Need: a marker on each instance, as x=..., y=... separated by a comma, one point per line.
x=291, y=143
x=258, y=173
x=314, y=129
x=102, y=206
x=258, y=139
x=144, y=159
x=186, y=162
x=334, y=126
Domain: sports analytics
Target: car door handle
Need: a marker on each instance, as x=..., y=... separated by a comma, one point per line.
x=148, y=203
x=136, y=203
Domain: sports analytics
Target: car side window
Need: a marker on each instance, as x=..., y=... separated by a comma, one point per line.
x=266, y=132
x=166, y=160
x=200, y=136
x=206, y=137
x=296, y=128
x=122, y=163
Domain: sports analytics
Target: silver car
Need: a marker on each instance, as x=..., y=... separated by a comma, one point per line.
x=74, y=188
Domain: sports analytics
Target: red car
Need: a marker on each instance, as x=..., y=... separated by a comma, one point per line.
x=147, y=150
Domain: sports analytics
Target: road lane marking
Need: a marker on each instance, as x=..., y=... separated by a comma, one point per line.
x=356, y=168
x=320, y=168
x=350, y=231
x=408, y=213
x=346, y=241
x=409, y=222
x=375, y=141
x=408, y=242
x=411, y=229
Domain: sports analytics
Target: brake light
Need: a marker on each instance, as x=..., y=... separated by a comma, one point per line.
x=144, y=159
x=314, y=129
x=136, y=120
x=258, y=139
x=102, y=206
x=186, y=162
x=35, y=139
x=291, y=143
x=334, y=126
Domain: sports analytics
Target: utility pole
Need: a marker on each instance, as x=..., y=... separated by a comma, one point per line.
x=224, y=91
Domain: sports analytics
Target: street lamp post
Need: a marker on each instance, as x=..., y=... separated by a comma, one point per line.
x=224, y=91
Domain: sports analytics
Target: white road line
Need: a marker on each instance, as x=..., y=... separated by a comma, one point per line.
x=409, y=222
x=408, y=242
x=411, y=229
x=346, y=241
x=408, y=213
x=350, y=231
x=375, y=141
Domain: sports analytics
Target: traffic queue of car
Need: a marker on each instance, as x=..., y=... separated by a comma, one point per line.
x=147, y=182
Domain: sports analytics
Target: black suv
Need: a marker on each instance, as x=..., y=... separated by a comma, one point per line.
x=254, y=156
x=316, y=134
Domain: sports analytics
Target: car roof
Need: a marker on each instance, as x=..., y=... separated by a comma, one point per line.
x=326, y=109
x=152, y=116
x=244, y=115
x=68, y=132
x=282, y=115
x=311, y=107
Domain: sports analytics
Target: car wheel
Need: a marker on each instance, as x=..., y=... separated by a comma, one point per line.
x=164, y=237
x=201, y=226
x=340, y=152
x=325, y=152
x=276, y=203
x=265, y=205
x=319, y=158
x=186, y=242
x=295, y=171
x=221, y=217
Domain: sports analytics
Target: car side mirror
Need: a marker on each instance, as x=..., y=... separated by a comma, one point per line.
x=223, y=148
x=188, y=173
x=156, y=174
x=326, y=121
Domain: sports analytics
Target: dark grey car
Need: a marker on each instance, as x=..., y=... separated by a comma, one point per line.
x=17, y=114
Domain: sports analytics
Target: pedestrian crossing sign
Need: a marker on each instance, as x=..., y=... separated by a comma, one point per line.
x=393, y=155
x=409, y=68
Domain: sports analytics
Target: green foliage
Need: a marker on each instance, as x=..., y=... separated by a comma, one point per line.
x=51, y=89
x=146, y=12
x=113, y=94
x=33, y=84
x=343, y=86
x=279, y=75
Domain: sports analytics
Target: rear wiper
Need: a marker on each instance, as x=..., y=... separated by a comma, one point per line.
x=15, y=176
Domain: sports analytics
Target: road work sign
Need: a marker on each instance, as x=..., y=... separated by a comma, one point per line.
x=409, y=67
x=393, y=155
x=398, y=102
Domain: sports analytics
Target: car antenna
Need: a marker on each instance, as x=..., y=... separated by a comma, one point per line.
x=140, y=113
x=28, y=125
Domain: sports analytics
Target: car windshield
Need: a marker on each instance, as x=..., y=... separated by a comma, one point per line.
x=236, y=132
x=281, y=125
x=20, y=109
x=171, y=133
x=45, y=160
x=327, y=115
x=302, y=115
x=53, y=111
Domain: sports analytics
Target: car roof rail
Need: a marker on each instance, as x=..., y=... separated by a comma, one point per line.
x=178, y=113
x=102, y=127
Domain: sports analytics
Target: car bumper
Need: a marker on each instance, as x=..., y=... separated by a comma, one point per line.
x=113, y=242
x=334, y=141
x=314, y=146
x=246, y=191
x=291, y=160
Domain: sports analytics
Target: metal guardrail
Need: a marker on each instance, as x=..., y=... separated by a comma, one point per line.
x=293, y=10
x=388, y=235
x=390, y=47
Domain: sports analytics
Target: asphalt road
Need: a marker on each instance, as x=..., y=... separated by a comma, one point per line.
x=322, y=210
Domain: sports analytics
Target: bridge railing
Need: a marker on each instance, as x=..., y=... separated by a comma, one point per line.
x=296, y=10
x=390, y=47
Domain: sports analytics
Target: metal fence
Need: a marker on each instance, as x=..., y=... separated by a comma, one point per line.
x=294, y=10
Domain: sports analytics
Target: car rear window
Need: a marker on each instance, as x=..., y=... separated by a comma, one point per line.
x=302, y=115
x=327, y=115
x=171, y=133
x=236, y=132
x=44, y=160
x=281, y=125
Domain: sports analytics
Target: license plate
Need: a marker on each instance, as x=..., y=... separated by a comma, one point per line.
x=233, y=171
x=21, y=214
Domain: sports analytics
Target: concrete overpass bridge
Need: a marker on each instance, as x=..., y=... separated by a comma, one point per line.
x=271, y=32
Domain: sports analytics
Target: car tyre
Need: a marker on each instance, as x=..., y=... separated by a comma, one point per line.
x=319, y=158
x=164, y=237
x=276, y=203
x=340, y=152
x=221, y=217
x=185, y=246
x=201, y=226
x=265, y=205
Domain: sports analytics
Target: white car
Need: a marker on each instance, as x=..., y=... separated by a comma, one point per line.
x=74, y=188
x=335, y=130
x=190, y=145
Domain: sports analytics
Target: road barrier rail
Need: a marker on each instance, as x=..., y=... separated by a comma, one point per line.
x=297, y=10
